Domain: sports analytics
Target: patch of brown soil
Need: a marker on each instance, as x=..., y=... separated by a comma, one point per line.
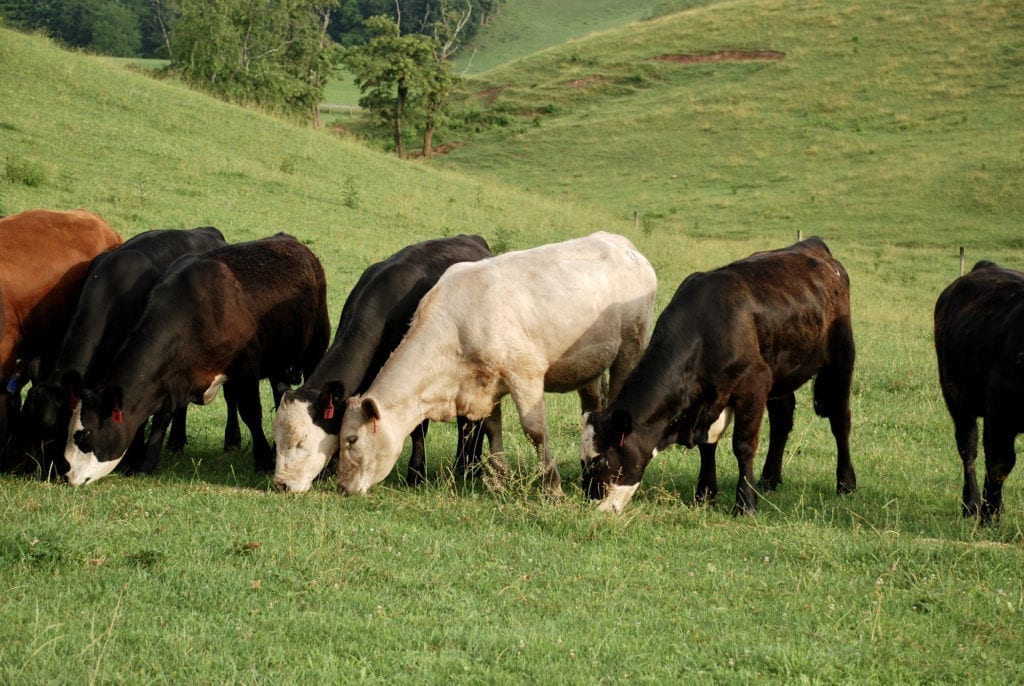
x=489, y=95
x=723, y=56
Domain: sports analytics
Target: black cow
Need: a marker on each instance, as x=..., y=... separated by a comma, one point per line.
x=241, y=313
x=731, y=342
x=112, y=298
x=373, y=322
x=979, y=342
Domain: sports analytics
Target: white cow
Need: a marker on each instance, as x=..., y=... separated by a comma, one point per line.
x=552, y=318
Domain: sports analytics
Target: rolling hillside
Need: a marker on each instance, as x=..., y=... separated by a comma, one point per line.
x=870, y=122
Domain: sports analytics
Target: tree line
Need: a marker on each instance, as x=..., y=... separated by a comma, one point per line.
x=279, y=54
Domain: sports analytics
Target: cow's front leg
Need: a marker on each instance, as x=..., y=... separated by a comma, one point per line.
x=999, y=461
x=529, y=401
x=780, y=423
x=417, y=471
x=966, y=429
x=749, y=410
x=178, y=436
x=707, y=479
x=251, y=411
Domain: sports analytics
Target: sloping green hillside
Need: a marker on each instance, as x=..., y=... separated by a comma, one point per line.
x=77, y=131
x=522, y=27
x=876, y=122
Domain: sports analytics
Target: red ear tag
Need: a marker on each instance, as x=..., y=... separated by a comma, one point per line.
x=374, y=425
x=329, y=410
x=622, y=440
x=116, y=415
x=73, y=402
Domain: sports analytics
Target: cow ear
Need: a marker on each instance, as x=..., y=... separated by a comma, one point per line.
x=620, y=423
x=371, y=410
x=110, y=403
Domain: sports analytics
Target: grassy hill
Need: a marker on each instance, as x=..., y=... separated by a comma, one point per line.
x=894, y=132
x=878, y=123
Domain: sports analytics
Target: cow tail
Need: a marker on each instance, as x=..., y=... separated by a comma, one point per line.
x=833, y=381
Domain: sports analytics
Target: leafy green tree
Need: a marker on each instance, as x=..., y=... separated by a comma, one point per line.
x=272, y=53
x=402, y=79
x=109, y=27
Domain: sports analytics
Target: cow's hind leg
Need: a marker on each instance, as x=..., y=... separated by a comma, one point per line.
x=780, y=423
x=999, y=461
x=148, y=457
x=417, y=471
x=966, y=430
x=832, y=399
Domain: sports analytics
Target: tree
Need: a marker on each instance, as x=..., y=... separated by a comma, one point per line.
x=403, y=79
x=271, y=53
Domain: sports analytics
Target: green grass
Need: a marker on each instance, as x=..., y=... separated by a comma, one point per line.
x=201, y=574
x=523, y=27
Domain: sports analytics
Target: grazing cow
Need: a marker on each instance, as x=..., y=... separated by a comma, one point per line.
x=111, y=301
x=44, y=255
x=979, y=342
x=373, y=321
x=730, y=342
x=553, y=318
x=240, y=313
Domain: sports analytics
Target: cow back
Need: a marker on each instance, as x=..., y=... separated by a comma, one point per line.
x=44, y=255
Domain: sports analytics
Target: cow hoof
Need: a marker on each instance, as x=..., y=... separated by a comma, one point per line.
x=415, y=477
x=769, y=483
x=845, y=488
x=176, y=446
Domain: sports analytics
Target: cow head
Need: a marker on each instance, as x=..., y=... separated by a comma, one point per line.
x=370, y=445
x=99, y=435
x=612, y=460
x=45, y=416
x=306, y=428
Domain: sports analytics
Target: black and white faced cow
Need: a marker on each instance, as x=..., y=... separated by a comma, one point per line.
x=374, y=319
x=241, y=313
x=553, y=318
x=113, y=295
x=731, y=342
x=979, y=342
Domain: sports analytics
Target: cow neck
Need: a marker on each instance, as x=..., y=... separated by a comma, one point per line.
x=346, y=361
x=412, y=375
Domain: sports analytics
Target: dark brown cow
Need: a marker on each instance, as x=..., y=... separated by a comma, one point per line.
x=240, y=313
x=731, y=342
x=44, y=255
x=979, y=342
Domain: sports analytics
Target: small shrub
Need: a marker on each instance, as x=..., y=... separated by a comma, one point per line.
x=503, y=240
x=350, y=193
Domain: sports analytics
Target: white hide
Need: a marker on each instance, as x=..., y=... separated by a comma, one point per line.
x=84, y=466
x=716, y=430
x=303, y=448
x=211, y=392
x=618, y=497
x=557, y=316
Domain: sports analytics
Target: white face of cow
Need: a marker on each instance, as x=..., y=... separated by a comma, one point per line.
x=369, y=448
x=303, y=448
x=85, y=467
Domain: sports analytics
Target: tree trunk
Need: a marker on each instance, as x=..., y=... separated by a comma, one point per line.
x=403, y=94
x=428, y=139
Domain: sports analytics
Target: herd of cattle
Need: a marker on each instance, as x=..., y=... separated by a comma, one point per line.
x=111, y=336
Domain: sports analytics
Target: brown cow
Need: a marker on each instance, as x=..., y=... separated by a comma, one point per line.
x=44, y=256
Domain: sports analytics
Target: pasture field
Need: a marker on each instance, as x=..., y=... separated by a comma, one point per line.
x=896, y=148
